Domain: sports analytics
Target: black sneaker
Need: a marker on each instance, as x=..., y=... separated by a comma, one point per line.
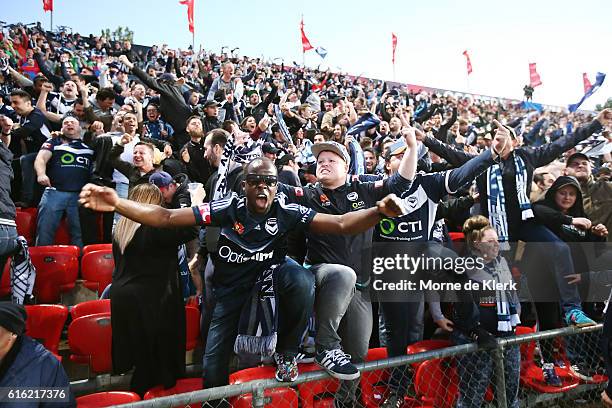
x=337, y=364
x=304, y=357
x=393, y=401
x=484, y=339
x=582, y=371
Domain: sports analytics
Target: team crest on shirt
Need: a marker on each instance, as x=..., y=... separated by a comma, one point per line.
x=271, y=226
x=239, y=228
x=324, y=200
x=378, y=183
x=352, y=196
x=299, y=192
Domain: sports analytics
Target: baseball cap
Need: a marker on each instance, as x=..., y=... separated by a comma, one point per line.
x=574, y=156
x=333, y=147
x=396, y=148
x=161, y=179
x=269, y=148
x=210, y=103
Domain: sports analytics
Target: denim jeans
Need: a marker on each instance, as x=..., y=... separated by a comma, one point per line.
x=122, y=190
x=475, y=371
x=295, y=290
x=8, y=244
x=403, y=326
x=50, y=211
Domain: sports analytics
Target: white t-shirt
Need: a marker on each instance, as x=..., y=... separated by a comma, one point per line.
x=127, y=155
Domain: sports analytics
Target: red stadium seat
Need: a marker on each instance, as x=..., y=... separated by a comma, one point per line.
x=45, y=324
x=317, y=394
x=426, y=345
x=182, y=386
x=26, y=224
x=97, y=270
x=5, y=283
x=437, y=382
x=57, y=269
x=97, y=247
x=106, y=399
x=69, y=249
x=192, y=320
x=89, y=338
x=90, y=307
x=531, y=374
x=457, y=236
x=275, y=398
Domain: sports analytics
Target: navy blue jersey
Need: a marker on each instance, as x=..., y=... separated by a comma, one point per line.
x=421, y=203
x=249, y=243
x=70, y=166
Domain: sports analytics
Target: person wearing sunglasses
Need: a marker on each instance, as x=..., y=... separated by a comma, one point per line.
x=253, y=238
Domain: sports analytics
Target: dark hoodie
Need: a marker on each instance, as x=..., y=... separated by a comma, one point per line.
x=548, y=213
x=182, y=197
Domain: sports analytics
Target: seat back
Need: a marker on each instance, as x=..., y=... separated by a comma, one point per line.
x=374, y=383
x=106, y=399
x=62, y=235
x=274, y=398
x=97, y=269
x=437, y=381
x=91, y=336
x=192, y=320
x=317, y=394
x=56, y=271
x=90, y=307
x=250, y=374
x=527, y=349
x=182, y=386
x=45, y=324
x=26, y=224
x=96, y=247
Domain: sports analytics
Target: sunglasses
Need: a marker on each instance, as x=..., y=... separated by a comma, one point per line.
x=254, y=180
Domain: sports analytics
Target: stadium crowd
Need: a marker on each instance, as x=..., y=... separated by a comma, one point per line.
x=290, y=172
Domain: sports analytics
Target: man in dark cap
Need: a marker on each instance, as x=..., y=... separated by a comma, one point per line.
x=25, y=363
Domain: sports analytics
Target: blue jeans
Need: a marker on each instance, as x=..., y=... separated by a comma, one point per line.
x=475, y=371
x=8, y=244
x=557, y=255
x=50, y=211
x=295, y=289
x=122, y=190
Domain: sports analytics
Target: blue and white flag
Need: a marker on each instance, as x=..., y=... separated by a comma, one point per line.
x=598, y=82
x=321, y=51
x=365, y=122
x=282, y=125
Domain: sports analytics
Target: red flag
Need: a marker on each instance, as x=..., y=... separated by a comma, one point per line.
x=534, y=77
x=306, y=46
x=394, y=45
x=586, y=82
x=468, y=62
x=189, y=4
x=48, y=5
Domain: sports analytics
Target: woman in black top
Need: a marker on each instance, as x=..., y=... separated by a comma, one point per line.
x=148, y=315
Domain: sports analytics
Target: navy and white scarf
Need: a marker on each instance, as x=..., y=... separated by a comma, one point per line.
x=258, y=325
x=23, y=273
x=497, y=198
x=506, y=301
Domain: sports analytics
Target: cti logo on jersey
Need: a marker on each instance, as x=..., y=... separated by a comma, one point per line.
x=324, y=200
x=271, y=226
x=239, y=228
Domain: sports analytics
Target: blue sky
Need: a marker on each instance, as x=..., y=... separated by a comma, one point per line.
x=565, y=38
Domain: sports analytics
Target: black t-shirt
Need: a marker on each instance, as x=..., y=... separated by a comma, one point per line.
x=34, y=131
x=352, y=196
x=249, y=243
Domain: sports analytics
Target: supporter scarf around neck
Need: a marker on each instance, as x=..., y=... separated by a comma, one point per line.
x=497, y=198
x=257, y=328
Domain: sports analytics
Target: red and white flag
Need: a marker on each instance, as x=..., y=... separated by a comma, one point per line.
x=48, y=5
x=306, y=46
x=586, y=82
x=190, y=5
x=394, y=46
x=534, y=77
x=468, y=62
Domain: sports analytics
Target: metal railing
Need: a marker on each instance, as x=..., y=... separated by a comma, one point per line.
x=257, y=388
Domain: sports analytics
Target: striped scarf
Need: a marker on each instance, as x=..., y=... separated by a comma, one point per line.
x=507, y=303
x=23, y=273
x=497, y=199
x=258, y=325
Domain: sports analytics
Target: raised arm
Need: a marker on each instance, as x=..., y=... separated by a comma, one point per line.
x=105, y=199
x=453, y=156
x=357, y=221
